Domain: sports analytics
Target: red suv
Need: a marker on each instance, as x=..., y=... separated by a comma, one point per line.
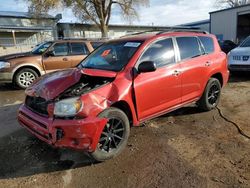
x=121, y=84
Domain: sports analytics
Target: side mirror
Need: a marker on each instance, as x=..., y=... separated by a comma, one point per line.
x=49, y=53
x=146, y=66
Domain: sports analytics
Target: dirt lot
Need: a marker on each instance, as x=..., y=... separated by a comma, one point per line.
x=186, y=148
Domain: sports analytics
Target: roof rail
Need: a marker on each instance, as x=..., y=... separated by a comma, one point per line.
x=81, y=38
x=183, y=30
x=170, y=29
x=138, y=33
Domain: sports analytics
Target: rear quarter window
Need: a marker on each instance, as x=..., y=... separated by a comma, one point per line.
x=189, y=47
x=208, y=44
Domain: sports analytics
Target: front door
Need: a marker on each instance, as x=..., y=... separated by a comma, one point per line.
x=57, y=57
x=160, y=90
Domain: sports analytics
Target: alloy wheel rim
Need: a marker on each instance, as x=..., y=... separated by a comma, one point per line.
x=26, y=78
x=213, y=94
x=112, y=135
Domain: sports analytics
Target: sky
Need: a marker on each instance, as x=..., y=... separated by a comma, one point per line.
x=158, y=13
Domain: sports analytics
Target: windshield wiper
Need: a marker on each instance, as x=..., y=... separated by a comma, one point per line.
x=195, y=56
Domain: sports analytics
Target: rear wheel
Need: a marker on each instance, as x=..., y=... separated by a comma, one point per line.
x=114, y=136
x=25, y=77
x=211, y=95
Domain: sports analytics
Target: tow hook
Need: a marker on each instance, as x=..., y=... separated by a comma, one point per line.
x=59, y=134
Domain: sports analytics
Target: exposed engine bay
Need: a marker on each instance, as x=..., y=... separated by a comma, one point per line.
x=85, y=84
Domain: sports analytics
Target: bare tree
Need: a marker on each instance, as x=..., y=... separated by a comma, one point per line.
x=98, y=12
x=231, y=3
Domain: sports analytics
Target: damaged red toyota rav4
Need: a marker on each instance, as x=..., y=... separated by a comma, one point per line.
x=121, y=84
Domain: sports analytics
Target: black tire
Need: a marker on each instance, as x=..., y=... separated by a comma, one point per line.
x=24, y=78
x=110, y=143
x=211, y=95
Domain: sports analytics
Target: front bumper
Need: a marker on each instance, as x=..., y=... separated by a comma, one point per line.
x=239, y=67
x=80, y=134
x=6, y=77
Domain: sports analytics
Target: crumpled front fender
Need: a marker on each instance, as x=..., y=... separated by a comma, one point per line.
x=93, y=104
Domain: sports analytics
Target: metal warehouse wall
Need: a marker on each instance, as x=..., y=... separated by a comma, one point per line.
x=224, y=23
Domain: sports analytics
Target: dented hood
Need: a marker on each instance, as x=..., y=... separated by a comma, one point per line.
x=53, y=84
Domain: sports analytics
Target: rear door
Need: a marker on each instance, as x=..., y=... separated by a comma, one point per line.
x=57, y=57
x=78, y=51
x=157, y=91
x=194, y=67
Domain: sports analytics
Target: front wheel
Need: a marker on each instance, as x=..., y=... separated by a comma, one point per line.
x=211, y=95
x=114, y=136
x=25, y=77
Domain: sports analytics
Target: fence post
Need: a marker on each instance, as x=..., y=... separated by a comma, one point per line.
x=14, y=37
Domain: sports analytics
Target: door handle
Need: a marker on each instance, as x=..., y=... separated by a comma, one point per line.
x=176, y=73
x=65, y=59
x=208, y=63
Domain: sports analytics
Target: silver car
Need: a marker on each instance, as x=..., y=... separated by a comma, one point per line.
x=239, y=58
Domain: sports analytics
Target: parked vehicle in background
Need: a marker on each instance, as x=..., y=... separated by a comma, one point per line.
x=239, y=58
x=96, y=44
x=227, y=45
x=121, y=84
x=23, y=68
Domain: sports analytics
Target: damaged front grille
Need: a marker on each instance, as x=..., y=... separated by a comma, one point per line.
x=37, y=104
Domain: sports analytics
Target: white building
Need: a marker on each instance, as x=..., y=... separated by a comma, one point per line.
x=227, y=24
x=19, y=28
x=231, y=24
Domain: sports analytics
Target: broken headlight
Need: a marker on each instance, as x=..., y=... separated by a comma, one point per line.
x=68, y=107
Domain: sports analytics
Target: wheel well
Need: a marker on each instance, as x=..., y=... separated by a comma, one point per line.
x=29, y=67
x=122, y=105
x=219, y=77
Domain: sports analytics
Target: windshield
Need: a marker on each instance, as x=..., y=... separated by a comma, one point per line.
x=113, y=56
x=40, y=48
x=246, y=42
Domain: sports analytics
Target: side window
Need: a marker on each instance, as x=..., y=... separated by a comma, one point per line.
x=189, y=47
x=60, y=49
x=79, y=48
x=161, y=52
x=208, y=44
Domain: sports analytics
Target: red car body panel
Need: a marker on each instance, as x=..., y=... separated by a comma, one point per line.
x=100, y=73
x=161, y=82
x=145, y=95
x=50, y=85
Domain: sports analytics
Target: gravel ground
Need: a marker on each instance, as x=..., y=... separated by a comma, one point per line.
x=186, y=148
